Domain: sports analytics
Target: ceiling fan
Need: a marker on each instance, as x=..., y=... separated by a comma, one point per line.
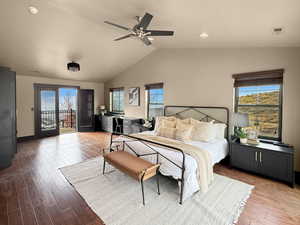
x=140, y=30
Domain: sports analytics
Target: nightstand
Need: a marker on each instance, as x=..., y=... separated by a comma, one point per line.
x=265, y=159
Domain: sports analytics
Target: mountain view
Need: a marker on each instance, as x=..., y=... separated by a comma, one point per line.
x=264, y=116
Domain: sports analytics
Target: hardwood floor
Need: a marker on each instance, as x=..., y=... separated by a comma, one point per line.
x=33, y=191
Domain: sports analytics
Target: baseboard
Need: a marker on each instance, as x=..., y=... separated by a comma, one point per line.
x=26, y=138
x=297, y=177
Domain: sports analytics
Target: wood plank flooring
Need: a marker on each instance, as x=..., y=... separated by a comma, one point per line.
x=34, y=192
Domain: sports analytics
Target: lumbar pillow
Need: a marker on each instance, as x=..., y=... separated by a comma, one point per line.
x=220, y=130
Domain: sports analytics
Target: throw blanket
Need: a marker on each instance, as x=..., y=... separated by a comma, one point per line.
x=202, y=157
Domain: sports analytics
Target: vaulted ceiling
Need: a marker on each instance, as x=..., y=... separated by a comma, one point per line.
x=66, y=30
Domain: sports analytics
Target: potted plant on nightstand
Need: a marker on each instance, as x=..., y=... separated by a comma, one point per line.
x=242, y=135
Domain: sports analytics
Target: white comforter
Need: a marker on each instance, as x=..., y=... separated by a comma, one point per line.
x=218, y=150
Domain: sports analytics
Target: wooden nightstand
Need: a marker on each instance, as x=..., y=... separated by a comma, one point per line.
x=265, y=159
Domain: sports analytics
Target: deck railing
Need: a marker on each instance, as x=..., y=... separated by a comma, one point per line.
x=67, y=118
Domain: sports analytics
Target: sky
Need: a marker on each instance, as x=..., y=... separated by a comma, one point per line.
x=258, y=89
x=156, y=95
x=48, y=98
x=72, y=93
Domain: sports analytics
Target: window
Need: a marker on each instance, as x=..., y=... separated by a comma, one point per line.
x=117, y=100
x=155, y=100
x=261, y=98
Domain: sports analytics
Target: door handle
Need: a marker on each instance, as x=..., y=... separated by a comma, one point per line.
x=255, y=156
x=260, y=157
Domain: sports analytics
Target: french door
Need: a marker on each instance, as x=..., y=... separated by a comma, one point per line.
x=46, y=110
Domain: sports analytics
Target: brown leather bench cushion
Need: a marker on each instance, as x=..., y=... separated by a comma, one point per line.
x=128, y=163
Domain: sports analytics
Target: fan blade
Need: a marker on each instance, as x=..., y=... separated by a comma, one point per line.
x=146, y=41
x=145, y=21
x=159, y=33
x=117, y=25
x=123, y=37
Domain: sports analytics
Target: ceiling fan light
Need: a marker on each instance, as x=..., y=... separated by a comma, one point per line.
x=73, y=67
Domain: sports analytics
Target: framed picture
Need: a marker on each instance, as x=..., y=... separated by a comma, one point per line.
x=134, y=96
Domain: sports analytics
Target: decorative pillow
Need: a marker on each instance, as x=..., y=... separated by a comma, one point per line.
x=195, y=122
x=167, y=123
x=183, y=134
x=159, y=119
x=220, y=130
x=186, y=121
x=203, y=131
x=166, y=132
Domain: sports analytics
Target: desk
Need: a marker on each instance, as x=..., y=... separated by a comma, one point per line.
x=129, y=124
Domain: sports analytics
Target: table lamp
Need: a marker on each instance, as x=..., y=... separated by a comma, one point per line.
x=240, y=120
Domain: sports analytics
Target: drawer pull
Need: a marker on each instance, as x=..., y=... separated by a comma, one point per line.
x=255, y=156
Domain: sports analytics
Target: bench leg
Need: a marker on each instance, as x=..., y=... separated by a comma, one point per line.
x=142, y=185
x=103, y=166
x=157, y=182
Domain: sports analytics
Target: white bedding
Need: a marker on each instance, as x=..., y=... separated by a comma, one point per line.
x=217, y=148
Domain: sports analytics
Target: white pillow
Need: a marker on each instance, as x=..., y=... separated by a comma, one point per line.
x=203, y=131
x=220, y=130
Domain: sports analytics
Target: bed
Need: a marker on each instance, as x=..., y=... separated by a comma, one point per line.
x=174, y=162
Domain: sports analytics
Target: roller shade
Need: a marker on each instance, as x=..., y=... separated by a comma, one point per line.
x=116, y=89
x=258, y=78
x=154, y=86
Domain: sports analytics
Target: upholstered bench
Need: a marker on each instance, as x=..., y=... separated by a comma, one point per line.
x=136, y=167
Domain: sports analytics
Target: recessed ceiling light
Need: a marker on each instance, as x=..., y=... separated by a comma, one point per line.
x=33, y=10
x=204, y=35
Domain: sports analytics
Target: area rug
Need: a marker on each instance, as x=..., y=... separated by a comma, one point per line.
x=117, y=200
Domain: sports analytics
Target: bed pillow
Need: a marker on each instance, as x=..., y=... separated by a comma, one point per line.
x=166, y=132
x=203, y=131
x=220, y=130
x=183, y=130
x=185, y=121
x=194, y=122
x=159, y=120
x=167, y=123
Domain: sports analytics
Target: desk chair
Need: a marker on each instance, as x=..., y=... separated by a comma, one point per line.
x=119, y=125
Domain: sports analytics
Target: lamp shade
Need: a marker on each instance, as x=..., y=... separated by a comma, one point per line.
x=240, y=119
x=102, y=107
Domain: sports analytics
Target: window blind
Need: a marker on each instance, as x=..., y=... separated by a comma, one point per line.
x=154, y=86
x=258, y=78
x=116, y=89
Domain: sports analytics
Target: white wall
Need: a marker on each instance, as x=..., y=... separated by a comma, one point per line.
x=25, y=99
x=203, y=77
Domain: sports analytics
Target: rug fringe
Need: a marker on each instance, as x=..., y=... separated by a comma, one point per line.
x=241, y=207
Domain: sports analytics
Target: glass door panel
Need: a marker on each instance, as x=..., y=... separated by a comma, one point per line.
x=48, y=110
x=47, y=118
